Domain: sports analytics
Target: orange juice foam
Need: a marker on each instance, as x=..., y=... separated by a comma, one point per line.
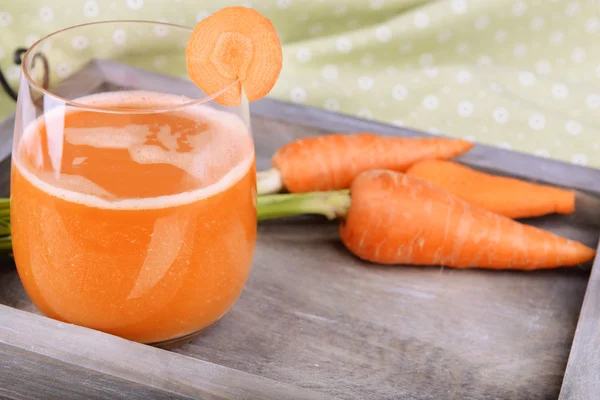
x=141, y=224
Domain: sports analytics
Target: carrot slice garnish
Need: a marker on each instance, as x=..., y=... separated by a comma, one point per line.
x=234, y=43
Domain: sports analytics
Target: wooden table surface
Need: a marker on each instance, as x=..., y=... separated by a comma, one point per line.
x=314, y=317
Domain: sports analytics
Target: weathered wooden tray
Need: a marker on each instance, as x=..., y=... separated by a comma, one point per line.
x=315, y=322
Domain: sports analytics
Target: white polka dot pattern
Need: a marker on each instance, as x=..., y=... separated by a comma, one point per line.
x=383, y=33
x=63, y=70
x=399, y=92
x=537, y=121
x=343, y=44
x=135, y=4
x=593, y=101
x=160, y=30
x=560, y=91
x=5, y=18
x=298, y=95
x=501, y=115
x=330, y=72
x=91, y=9
x=303, y=54
x=519, y=74
x=431, y=102
x=80, y=42
x=119, y=37
x=421, y=20
x=365, y=82
x=465, y=109
x=283, y=4
x=46, y=14
x=332, y=104
x=573, y=127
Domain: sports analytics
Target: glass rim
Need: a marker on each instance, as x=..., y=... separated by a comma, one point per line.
x=88, y=107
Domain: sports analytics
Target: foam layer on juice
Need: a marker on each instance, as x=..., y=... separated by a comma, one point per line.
x=218, y=157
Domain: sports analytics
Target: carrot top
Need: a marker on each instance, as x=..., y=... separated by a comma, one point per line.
x=234, y=43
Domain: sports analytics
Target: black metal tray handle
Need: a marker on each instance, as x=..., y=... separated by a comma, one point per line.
x=18, y=60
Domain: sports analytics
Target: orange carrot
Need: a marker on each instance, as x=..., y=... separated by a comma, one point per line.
x=394, y=218
x=332, y=161
x=234, y=43
x=510, y=197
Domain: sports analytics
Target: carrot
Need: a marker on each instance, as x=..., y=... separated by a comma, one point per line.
x=510, y=197
x=234, y=43
x=394, y=218
x=332, y=161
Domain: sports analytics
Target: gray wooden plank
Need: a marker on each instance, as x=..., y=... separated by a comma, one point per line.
x=314, y=316
x=355, y=330
x=5, y=176
x=581, y=381
x=107, y=356
x=6, y=133
x=26, y=375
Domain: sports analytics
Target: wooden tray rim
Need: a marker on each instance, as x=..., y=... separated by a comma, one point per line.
x=148, y=366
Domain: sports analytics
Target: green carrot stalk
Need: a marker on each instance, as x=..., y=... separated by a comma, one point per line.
x=332, y=204
x=5, y=244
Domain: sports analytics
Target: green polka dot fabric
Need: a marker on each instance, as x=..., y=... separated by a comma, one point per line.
x=518, y=74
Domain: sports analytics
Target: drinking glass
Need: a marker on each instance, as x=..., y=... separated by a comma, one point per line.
x=133, y=205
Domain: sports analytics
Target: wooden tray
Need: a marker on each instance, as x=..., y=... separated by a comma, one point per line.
x=314, y=322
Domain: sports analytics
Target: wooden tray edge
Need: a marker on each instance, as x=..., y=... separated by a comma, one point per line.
x=145, y=365
x=580, y=380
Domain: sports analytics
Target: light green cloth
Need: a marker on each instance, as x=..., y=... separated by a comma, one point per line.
x=520, y=74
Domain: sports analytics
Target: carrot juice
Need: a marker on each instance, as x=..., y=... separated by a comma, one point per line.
x=137, y=223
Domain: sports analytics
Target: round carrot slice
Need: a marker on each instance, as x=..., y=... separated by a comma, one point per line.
x=234, y=43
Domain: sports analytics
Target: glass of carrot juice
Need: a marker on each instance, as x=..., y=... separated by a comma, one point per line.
x=133, y=211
